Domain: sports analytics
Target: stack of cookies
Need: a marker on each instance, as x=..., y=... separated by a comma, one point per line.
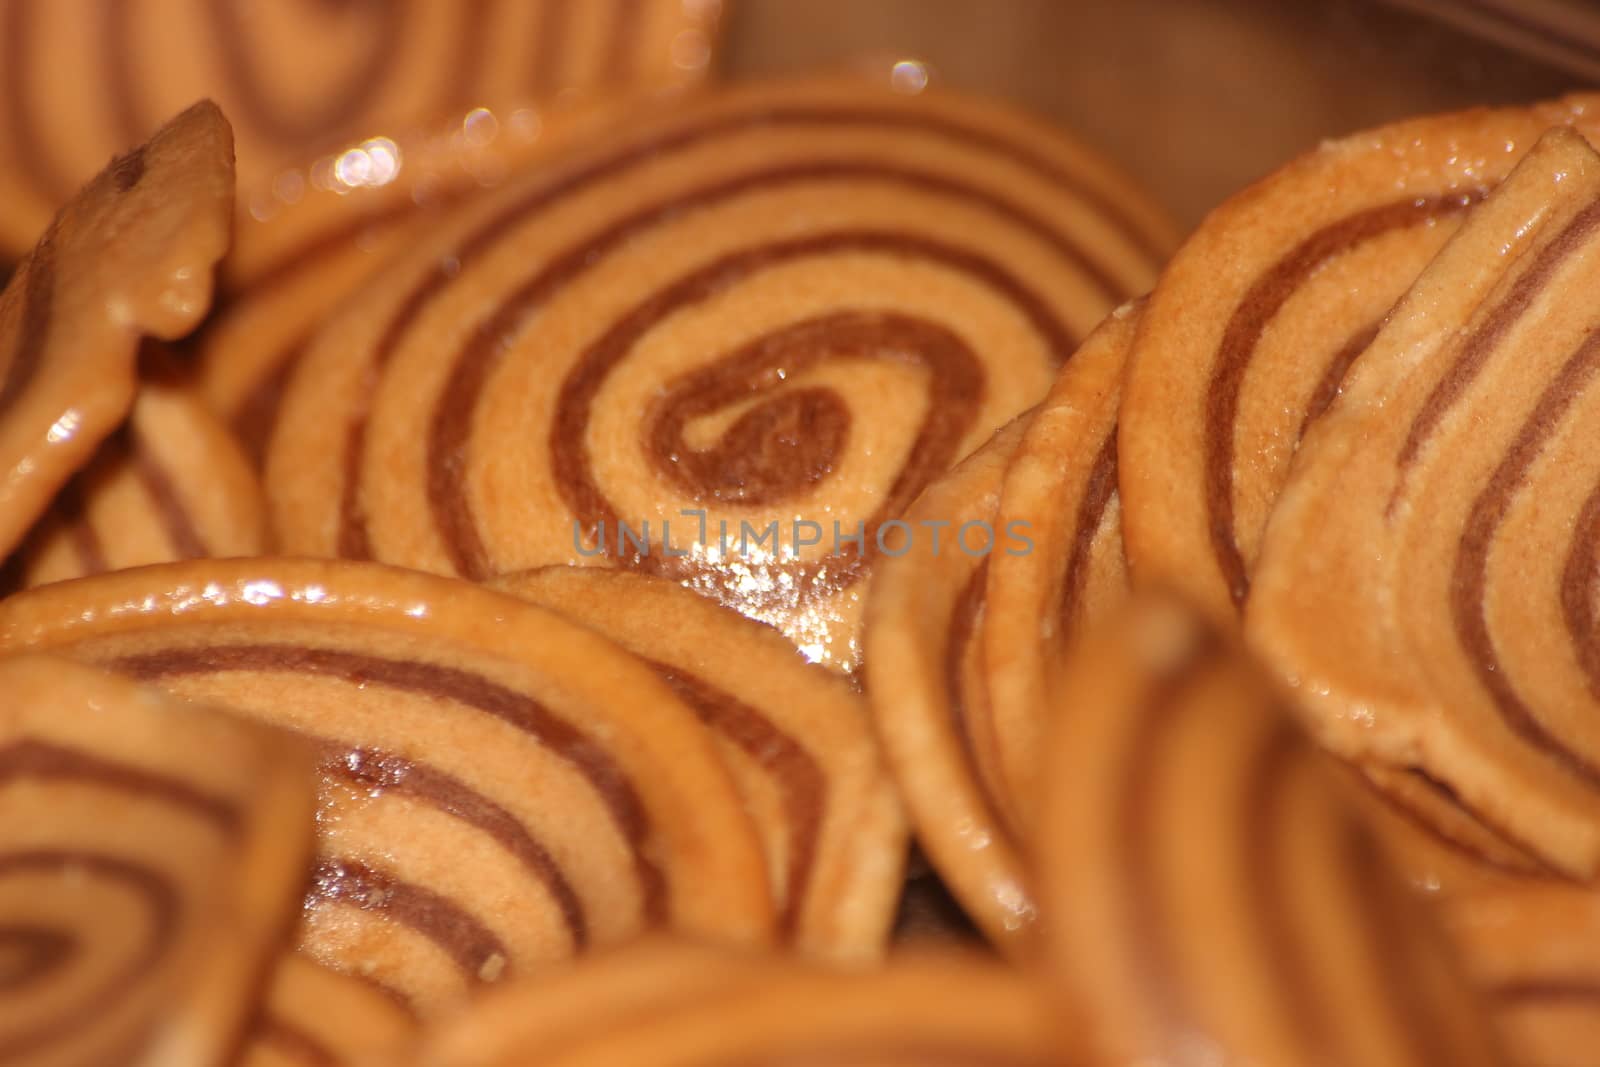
x=513, y=554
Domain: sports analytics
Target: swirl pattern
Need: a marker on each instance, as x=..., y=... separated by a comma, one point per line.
x=681, y=1006
x=759, y=264
x=297, y=74
x=1208, y=885
x=137, y=838
x=171, y=484
x=311, y=233
x=499, y=788
x=1442, y=504
x=130, y=256
x=1255, y=324
x=806, y=763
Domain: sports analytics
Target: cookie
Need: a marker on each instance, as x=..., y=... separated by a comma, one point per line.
x=500, y=788
x=316, y=1017
x=1256, y=321
x=923, y=639
x=295, y=75
x=797, y=738
x=131, y=255
x=1209, y=892
x=678, y=1006
x=1532, y=950
x=171, y=484
x=150, y=855
x=1426, y=581
x=672, y=337
x=1060, y=492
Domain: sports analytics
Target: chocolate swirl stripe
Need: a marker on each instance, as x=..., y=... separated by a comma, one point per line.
x=1060, y=491
x=680, y=1006
x=171, y=484
x=296, y=75
x=128, y=257
x=315, y=1017
x=925, y=616
x=666, y=225
x=1277, y=290
x=1484, y=376
x=1176, y=779
x=149, y=859
x=499, y=788
x=806, y=765
x=380, y=771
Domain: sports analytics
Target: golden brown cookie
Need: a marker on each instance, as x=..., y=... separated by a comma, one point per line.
x=500, y=788
x=777, y=311
x=1060, y=492
x=316, y=1017
x=131, y=255
x=1427, y=579
x=680, y=1006
x=294, y=74
x=797, y=738
x=923, y=642
x=171, y=484
x=1209, y=892
x=150, y=859
x=1255, y=322
x=1535, y=953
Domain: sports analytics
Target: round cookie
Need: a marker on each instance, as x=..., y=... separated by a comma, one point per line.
x=769, y=313
x=316, y=1017
x=150, y=857
x=1060, y=490
x=923, y=641
x=131, y=255
x=798, y=739
x=1209, y=892
x=294, y=74
x=499, y=788
x=678, y=1007
x=171, y=484
x=1426, y=582
x=1256, y=320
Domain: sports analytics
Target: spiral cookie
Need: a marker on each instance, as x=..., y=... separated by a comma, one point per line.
x=131, y=255
x=678, y=1007
x=923, y=640
x=1533, y=952
x=499, y=788
x=797, y=738
x=1255, y=322
x=1427, y=580
x=1061, y=488
x=172, y=484
x=295, y=73
x=149, y=858
x=1210, y=893
x=646, y=356
x=315, y=1017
